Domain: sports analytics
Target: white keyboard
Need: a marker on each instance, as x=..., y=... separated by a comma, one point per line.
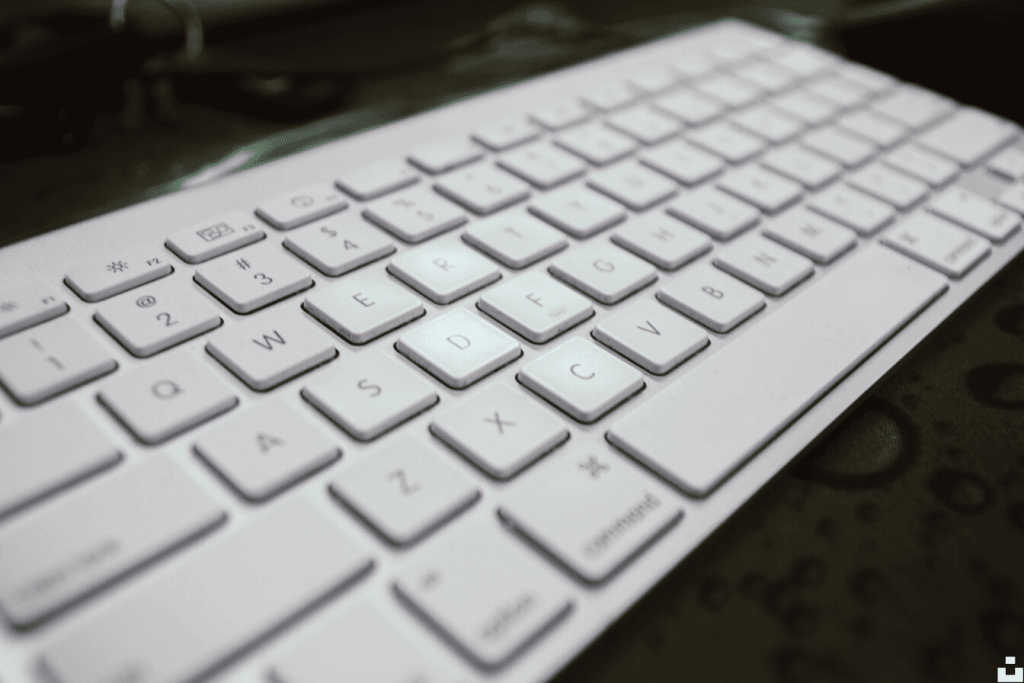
x=440, y=401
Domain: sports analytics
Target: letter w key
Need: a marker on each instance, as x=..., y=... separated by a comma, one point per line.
x=268, y=340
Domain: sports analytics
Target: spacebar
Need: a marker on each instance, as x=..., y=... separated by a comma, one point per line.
x=709, y=422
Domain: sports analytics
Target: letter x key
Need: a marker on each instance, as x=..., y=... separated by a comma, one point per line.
x=499, y=423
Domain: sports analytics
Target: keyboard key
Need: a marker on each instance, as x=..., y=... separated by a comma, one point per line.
x=799, y=353
x=632, y=184
x=577, y=210
x=543, y=165
x=801, y=58
x=890, y=186
x=444, y=155
x=727, y=141
x=771, y=124
x=501, y=135
x=875, y=81
x=651, y=336
x=41, y=363
x=363, y=306
x=912, y=106
x=662, y=240
x=263, y=450
x=101, y=280
x=157, y=317
x=444, y=273
x=271, y=349
x=764, y=189
x=216, y=604
x=1013, y=197
x=483, y=189
x=1009, y=163
x=766, y=75
x=682, y=162
x=296, y=208
x=603, y=271
x=975, y=213
x=485, y=593
x=938, y=243
x=711, y=297
x=852, y=208
x=848, y=150
x=27, y=307
x=922, y=164
x=253, y=278
x=690, y=106
x=810, y=109
x=536, y=307
x=653, y=80
x=595, y=143
x=764, y=264
x=415, y=215
x=592, y=510
x=694, y=64
x=714, y=212
x=458, y=348
x=846, y=94
x=203, y=241
x=581, y=379
x=560, y=115
x=379, y=178
x=500, y=430
x=516, y=239
x=49, y=449
x=811, y=234
x=405, y=489
x=880, y=130
x=735, y=92
x=807, y=168
x=369, y=393
x=644, y=124
x=339, y=244
x=968, y=136
x=609, y=96
x=97, y=536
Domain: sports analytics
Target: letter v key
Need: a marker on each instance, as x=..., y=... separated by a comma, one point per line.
x=648, y=327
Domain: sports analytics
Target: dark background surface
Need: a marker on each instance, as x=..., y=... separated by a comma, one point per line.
x=893, y=551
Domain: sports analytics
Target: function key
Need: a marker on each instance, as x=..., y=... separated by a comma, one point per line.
x=444, y=155
x=208, y=239
x=102, y=279
x=253, y=278
x=369, y=182
x=501, y=135
x=291, y=210
x=28, y=306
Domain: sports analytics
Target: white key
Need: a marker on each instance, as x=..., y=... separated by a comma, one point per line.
x=891, y=186
x=49, y=449
x=482, y=189
x=609, y=96
x=1013, y=197
x=485, y=592
x=811, y=234
x=735, y=92
x=846, y=94
x=215, y=604
x=291, y=210
x=852, y=208
x=766, y=75
x=662, y=240
x=444, y=273
x=763, y=189
x=166, y=397
x=203, y=241
x=764, y=264
x=415, y=215
x=694, y=65
x=810, y=109
x=937, y=243
x=933, y=169
x=157, y=317
x=690, y=106
x=632, y=184
x=458, y=348
x=543, y=165
x=102, y=279
x=405, y=489
x=577, y=210
x=253, y=278
x=682, y=162
x=807, y=168
x=653, y=80
x=714, y=212
x=516, y=239
x=875, y=81
x=645, y=124
x=603, y=271
x=595, y=143
x=1009, y=163
x=271, y=349
x=339, y=244
x=28, y=306
x=968, y=136
x=711, y=297
x=369, y=393
x=581, y=379
x=848, y=150
x=651, y=336
x=771, y=124
x=801, y=58
x=506, y=133
x=560, y=115
x=41, y=363
x=379, y=178
x=727, y=141
x=536, y=307
x=97, y=536
x=880, y=130
x=444, y=155
x=265, y=449
x=500, y=430
x=799, y=352
x=592, y=510
x=363, y=306
x=912, y=106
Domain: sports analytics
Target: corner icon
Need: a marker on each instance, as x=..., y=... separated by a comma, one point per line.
x=1004, y=675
